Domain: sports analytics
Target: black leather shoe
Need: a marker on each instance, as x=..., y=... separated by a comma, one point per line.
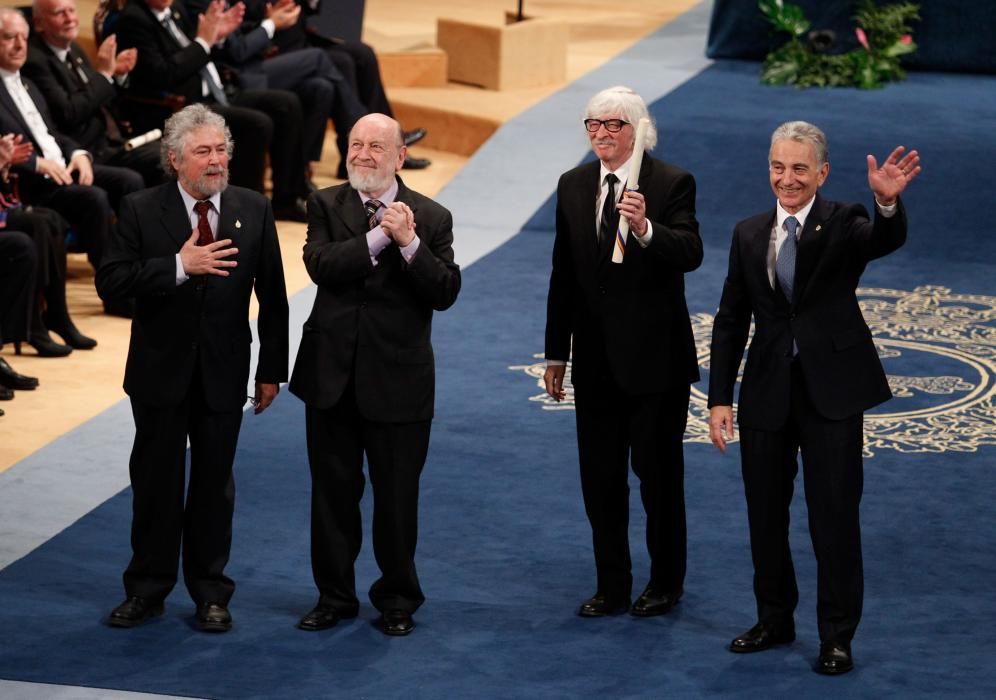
x=835, y=659
x=134, y=611
x=68, y=331
x=412, y=163
x=396, y=623
x=6, y=394
x=600, y=606
x=323, y=616
x=414, y=136
x=762, y=636
x=46, y=347
x=12, y=380
x=655, y=602
x=213, y=617
x=294, y=210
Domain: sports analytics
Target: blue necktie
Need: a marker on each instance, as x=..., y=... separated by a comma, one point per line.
x=785, y=264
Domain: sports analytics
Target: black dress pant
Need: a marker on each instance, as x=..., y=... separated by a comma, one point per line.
x=833, y=478
x=164, y=521
x=613, y=429
x=47, y=230
x=288, y=167
x=18, y=268
x=338, y=438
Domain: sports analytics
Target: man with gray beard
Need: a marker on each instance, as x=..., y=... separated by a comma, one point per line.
x=190, y=252
x=365, y=370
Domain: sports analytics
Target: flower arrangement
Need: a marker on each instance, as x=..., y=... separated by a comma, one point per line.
x=805, y=60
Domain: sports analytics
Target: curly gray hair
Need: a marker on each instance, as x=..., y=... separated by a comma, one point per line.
x=181, y=124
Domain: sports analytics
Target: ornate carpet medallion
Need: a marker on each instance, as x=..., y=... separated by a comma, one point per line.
x=938, y=349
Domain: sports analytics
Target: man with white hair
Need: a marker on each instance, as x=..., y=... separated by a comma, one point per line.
x=628, y=329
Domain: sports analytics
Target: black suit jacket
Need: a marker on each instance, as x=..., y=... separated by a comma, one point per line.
x=76, y=108
x=373, y=324
x=11, y=121
x=203, y=323
x=628, y=320
x=838, y=359
x=163, y=68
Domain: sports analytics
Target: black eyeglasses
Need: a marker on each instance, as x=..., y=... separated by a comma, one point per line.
x=611, y=125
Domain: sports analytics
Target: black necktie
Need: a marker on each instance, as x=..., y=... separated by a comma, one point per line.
x=371, y=207
x=609, y=220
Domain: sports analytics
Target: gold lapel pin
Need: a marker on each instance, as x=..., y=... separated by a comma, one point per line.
x=818, y=227
x=238, y=224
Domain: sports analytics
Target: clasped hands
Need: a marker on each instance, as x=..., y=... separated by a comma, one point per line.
x=399, y=223
x=207, y=259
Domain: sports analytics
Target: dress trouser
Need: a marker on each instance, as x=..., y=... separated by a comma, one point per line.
x=613, y=429
x=164, y=521
x=833, y=479
x=337, y=439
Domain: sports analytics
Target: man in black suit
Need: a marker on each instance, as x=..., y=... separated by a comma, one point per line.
x=58, y=174
x=174, y=57
x=365, y=370
x=191, y=252
x=355, y=61
x=83, y=97
x=633, y=353
x=811, y=372
x=308, y=73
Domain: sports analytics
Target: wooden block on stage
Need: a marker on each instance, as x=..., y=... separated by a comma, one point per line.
x=526, y=54
x=422, y=68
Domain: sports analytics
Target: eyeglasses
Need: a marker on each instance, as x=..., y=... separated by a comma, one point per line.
x=611, y=125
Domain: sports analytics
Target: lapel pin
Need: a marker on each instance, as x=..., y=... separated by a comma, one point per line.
x=818, y=227
x=238, y=224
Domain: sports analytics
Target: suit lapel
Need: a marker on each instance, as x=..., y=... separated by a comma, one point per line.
x=175, y=219
x=758, y=247
x=811, y=242
x=8, y=104
x=229, y=224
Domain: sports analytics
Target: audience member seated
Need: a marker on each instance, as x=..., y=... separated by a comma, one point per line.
x=309, y=73
x=46, y=230
x=18, y=266
x=83, y=96
x=354, y=59
x=174, y=58
x=57, y=173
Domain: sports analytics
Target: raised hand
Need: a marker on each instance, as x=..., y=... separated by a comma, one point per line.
x=897, y=171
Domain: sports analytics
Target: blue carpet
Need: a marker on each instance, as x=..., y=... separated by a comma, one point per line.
x=504, y=545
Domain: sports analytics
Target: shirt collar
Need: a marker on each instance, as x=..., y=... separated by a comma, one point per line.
x=161, y=15
x=387, y=198
x=60, y=53
x=8, y=76
x=189, y=200
x=781, y=214
x=622, y=172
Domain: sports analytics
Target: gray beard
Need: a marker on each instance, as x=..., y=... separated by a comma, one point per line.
x=372, y=183
x=206, y=189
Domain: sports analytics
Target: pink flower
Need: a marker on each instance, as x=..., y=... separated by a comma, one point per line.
x=862, y=39
x=906, y=39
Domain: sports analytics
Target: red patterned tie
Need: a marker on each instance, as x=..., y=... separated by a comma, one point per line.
x=204, y=235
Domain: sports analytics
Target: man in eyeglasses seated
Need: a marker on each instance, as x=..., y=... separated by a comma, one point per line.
x=633, y=352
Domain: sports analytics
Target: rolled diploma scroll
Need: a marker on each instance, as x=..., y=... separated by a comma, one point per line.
x=632, y=184
x=147, y=137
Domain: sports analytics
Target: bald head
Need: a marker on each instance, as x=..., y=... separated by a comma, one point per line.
x=376, y=152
